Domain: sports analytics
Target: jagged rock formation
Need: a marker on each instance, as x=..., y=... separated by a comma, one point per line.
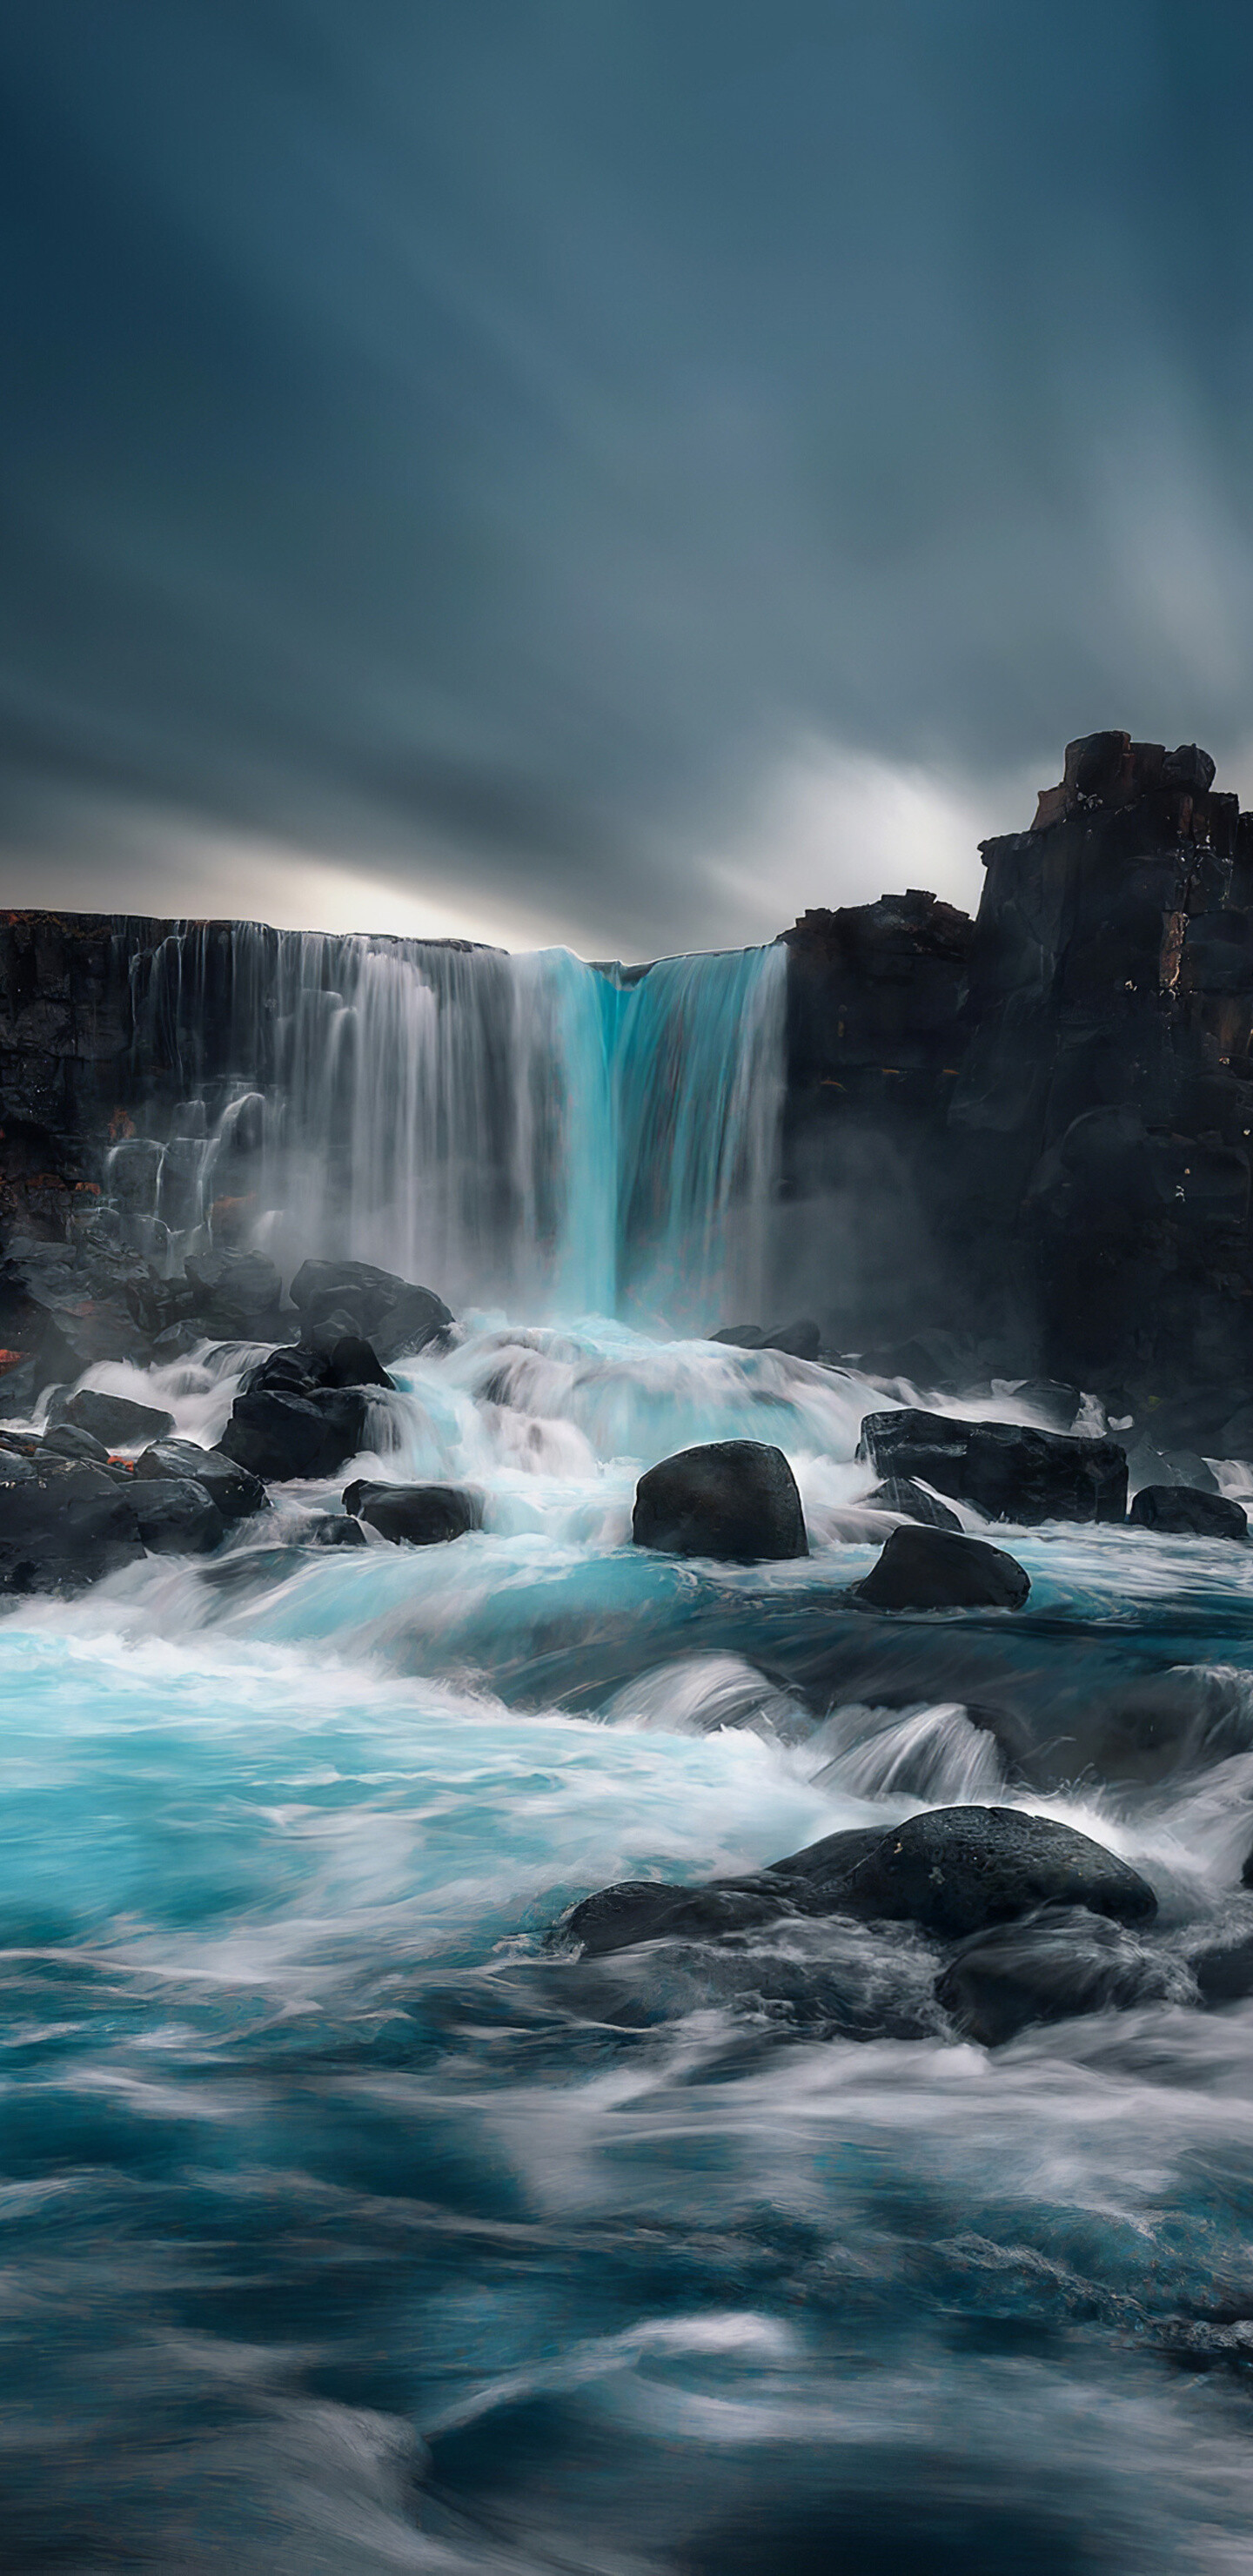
x=1057, y=1097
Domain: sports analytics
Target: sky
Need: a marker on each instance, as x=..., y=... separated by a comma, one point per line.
x=607, y=471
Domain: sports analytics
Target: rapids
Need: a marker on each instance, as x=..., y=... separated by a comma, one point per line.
x=349, y=2226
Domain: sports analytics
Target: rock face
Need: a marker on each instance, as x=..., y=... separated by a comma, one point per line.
x=424, y=1515
x=1007, y=1473
x=735, y=1499
x=930, y=1569
x=954, y=1872
x=1012, y=1146
x=1179, y=1511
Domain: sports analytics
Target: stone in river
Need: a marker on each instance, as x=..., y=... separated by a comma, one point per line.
x=1181, y=1511
x=235, y=1490
x=932, y=1569
x=423, y=1515
x=1007, y=1470
x=115, y=1420
x=734, y=1499
x=278, y=1436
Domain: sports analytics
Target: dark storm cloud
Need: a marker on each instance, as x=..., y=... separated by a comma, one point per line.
x=508, y=430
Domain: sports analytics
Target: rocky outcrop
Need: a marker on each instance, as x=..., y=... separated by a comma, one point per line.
x=1179, y=1511
x=734, y=1499
x=1013, y=1147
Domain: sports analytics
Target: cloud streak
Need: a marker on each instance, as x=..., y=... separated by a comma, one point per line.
x=495, y=453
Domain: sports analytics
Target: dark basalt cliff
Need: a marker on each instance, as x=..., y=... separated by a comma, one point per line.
x=1021, y=1141
x=1046, y=1111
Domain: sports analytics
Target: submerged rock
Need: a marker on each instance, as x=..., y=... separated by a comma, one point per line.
x=234, y=1489
x=734, y=1499
x=278, y=1435
x=334, y=1529
x=424, y=1515
x=1008, y=1471
x=115, y=1420
x=900, y=1494
x=1063, y=1961
x=1180, y=1511
x=933, y=1569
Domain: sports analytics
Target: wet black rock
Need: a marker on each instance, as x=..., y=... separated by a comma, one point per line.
x=175, y=1516
x=900, y=1494
x=278, y=1435
x=236, y=1492
x=734, y=1499
x=65, y=1440
x=1050, y=1966
x=1180, y=1511
x=115, y=1419
x=352, y=1361
x=932, y=1569
x=396, y=1316
x=958, y=1869
x=1008, y=1472
x=64, y=1528
x=333, y=1529
x=424, y=1515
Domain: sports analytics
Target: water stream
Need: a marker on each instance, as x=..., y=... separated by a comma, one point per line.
x=345, y=2224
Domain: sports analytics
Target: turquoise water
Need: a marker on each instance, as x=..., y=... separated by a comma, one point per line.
x=346, y=2226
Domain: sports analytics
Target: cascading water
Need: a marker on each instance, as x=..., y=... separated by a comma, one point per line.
x=528, y=1129
x=347, y=2223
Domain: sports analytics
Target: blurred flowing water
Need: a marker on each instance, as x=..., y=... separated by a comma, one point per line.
x=560, y=1135
x=349, y=2226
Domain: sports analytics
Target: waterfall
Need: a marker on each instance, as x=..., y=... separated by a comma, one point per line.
x=525, y=1130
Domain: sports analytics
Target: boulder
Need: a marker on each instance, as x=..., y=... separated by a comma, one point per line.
x=1181, y=1511
x=1008, y=1471
x=734, y=1499
x=424, y=1515
x=955, y=1870
x=175, y=1516
x=235, y=1491
x=1049, y=1967
x=278, y=1436
x=900, y=1494
x=115, y=1419
x=65, y=1527
x=933, y=1569
x=64, y=1440
x=292, y=1369
x=396, y=1316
